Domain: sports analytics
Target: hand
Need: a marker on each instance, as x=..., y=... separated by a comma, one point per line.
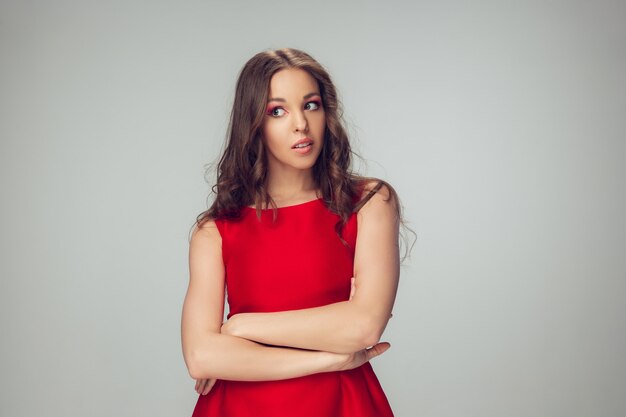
x=203, y=386
x=352, y=288
x=228, y=327
x=356, y=359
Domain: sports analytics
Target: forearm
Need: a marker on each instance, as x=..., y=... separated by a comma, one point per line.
x=229, y=357
x=342, y=327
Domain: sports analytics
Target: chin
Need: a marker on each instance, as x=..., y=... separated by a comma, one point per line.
x=308, y=163
x=304, y=166
x=299, y=163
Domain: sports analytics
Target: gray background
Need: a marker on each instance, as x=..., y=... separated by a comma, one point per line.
x=501, y=124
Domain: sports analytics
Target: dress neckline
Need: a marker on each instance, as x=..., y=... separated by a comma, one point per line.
x=288, y=207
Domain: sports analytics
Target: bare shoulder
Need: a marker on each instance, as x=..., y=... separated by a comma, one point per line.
x=378, y=194
x=205, y=233
x=205, y=252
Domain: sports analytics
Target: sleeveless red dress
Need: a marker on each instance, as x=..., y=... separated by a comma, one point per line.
x=293, y=263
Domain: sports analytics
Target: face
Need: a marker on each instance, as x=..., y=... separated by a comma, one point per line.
x=294, y=121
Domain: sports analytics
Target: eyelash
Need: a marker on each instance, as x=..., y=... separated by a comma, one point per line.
x=270, y=112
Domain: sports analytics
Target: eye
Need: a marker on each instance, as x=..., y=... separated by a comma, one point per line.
x=276, y=112
x=312, y=105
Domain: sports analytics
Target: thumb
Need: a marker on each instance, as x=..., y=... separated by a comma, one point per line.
x=377, y=350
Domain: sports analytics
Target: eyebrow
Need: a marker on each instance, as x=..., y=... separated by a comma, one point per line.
x=284, y=101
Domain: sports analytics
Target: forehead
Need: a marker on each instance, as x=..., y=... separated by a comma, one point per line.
x=292, y=83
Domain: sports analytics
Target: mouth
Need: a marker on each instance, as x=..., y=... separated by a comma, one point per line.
x=303, y=144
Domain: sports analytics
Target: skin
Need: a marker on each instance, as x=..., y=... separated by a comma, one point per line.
x=337, y=336
x=295, y=112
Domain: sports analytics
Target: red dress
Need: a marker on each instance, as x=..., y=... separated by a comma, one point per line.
x=293, y=263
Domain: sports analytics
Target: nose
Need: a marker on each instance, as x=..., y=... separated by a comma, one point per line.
x=300, y=122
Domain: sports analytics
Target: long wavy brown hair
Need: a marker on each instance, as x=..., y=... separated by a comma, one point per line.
x=242, y=168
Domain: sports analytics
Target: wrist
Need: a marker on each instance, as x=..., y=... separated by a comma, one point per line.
x=330, y=361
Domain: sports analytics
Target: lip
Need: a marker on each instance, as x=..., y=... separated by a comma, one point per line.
x=303, y=140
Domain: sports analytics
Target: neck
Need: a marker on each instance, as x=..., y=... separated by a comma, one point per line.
x=292, y=185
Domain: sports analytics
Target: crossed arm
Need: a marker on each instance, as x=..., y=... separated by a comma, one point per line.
x=346, y=326
x=304, y=342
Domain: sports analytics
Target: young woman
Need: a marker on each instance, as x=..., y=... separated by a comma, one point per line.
x=306, y=251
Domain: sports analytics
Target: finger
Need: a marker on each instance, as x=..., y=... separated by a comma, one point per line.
x=352, y=288
x=200, y=385
x=209, y=385
x=377, y=350
x=205, y=382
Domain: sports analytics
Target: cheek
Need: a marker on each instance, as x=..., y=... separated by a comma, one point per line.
x=321, y=126
x=271, y=138
x=268, y=134
x=319, y=122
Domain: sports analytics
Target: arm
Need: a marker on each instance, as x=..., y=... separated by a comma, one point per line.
x=209, y=354
x=346, y=326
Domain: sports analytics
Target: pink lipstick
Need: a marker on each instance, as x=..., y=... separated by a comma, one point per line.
x=303, y=146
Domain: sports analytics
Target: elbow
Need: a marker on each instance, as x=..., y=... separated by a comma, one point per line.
x=373, y=329
x=194, y=371
x=197, y=365
x=201, y=357
x=371, y=338
x=193, y=365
